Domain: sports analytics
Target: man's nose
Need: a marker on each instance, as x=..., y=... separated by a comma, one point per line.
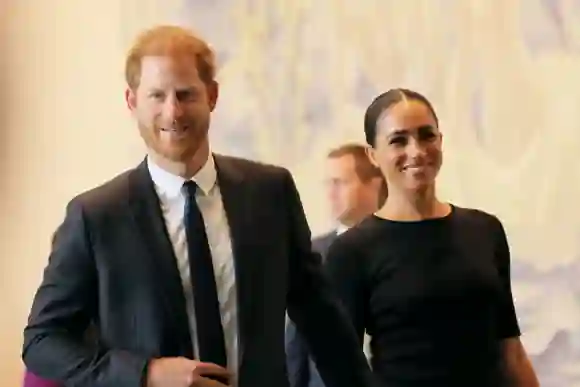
x=173, y=109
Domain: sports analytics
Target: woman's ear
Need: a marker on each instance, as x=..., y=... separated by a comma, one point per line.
x=371, y=154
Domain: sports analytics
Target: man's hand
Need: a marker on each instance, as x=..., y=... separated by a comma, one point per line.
x=183, y=372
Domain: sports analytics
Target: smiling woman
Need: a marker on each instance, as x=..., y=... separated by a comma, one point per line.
x=428, y=280
x=403, y=130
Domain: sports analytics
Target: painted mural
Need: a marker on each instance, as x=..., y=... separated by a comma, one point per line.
x=504, y=76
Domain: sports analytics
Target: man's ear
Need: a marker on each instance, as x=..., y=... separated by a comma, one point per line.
x=130, y=98
x=212, y=94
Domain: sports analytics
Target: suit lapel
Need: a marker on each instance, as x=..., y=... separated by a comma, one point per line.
x=148, y=218
x=235, y=196
x=322, y=243
x=328, y=241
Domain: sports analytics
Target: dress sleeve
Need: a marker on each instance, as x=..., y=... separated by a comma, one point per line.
x=507, y=324
x=346, y=268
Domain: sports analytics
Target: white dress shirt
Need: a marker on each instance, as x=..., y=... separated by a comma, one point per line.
x=341, y=228
x=169, y=188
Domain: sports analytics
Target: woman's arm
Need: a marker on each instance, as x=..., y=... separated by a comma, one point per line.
x=516, y=364
x=345, y=268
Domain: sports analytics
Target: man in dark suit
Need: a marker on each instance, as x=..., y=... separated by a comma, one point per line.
x=186, y=264
x=355, y=189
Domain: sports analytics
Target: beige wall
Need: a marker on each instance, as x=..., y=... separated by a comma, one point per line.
x=64, y=128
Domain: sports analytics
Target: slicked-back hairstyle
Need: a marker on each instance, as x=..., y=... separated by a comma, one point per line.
x=385, y=101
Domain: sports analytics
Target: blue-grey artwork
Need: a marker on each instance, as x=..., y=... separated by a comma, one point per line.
x=297, y=76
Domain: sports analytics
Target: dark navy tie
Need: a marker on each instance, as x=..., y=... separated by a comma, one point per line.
x=210, y=334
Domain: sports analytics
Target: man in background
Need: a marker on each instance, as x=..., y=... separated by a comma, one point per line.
x=355, y=189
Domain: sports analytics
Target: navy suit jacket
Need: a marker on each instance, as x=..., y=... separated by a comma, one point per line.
x=112, y=265
x=302, y=370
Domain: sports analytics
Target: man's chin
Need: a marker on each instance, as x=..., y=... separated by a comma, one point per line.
x=174, y=154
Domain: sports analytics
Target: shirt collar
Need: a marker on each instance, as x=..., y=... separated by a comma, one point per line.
x=340, y=228
x=171, y=185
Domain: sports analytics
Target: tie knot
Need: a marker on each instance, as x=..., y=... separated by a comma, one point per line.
x=190, y=188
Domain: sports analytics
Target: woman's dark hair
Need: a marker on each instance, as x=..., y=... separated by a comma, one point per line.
x=385, y=101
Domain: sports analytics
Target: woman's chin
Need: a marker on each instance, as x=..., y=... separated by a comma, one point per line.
x=419, y=185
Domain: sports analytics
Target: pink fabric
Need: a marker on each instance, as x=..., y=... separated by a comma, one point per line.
x=31, y=380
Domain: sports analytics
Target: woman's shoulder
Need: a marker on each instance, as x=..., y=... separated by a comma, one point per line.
x=463, y=215
x=362, y=235
x=352, y=248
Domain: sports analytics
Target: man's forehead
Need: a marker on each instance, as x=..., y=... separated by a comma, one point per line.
x=176, y=65
x=343, y=160
x=344, y=164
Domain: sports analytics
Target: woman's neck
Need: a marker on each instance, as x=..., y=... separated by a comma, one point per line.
x=413, y=206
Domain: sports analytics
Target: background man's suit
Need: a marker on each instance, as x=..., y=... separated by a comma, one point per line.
x=112, y=265
x=302, y=370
